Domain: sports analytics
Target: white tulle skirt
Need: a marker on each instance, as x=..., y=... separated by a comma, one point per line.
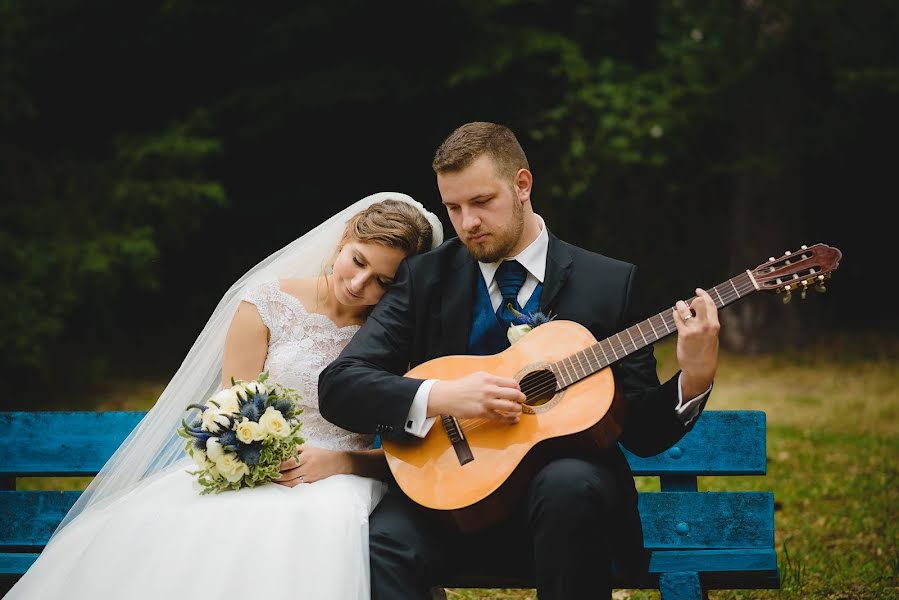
x=164, y=540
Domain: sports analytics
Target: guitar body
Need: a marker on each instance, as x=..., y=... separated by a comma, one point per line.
x=582, y=417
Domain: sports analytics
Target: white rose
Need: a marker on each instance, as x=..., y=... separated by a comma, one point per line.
x=227, y=401
x=250, y=431
x=516, y=332
x=274, y=423
x=200, y=458
x=231, y=467
x=213, y=419
x=214, y=450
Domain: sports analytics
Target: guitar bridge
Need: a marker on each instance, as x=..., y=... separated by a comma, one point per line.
x=460, y=444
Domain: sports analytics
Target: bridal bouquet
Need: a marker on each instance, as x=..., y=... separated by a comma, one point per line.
x=243, y=434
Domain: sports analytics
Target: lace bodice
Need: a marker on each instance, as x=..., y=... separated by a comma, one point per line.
x=301, y=344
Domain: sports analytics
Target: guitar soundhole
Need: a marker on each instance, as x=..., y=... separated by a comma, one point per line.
x=539, y=387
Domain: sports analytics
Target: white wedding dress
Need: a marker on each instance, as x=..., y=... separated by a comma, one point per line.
x=164, y=540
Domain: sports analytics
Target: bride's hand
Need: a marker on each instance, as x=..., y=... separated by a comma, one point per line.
x=312, y=465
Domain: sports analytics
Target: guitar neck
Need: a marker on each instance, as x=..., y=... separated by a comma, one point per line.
x=600, y=355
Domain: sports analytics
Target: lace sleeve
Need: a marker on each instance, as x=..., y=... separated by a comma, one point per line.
x=262, y=297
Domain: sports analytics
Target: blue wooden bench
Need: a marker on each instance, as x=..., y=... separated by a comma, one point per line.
x=699, y=540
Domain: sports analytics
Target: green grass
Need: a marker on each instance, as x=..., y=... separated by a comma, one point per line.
x=833, y=464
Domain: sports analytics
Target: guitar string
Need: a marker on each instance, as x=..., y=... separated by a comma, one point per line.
x=549, y=381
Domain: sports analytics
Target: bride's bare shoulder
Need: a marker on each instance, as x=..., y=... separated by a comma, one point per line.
x=302, y=288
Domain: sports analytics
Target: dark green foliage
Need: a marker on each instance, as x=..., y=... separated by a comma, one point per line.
x=692, y=138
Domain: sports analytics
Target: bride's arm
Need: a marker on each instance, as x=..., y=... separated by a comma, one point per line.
x=246, y=345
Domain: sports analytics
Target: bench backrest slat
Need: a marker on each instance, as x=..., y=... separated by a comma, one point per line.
x=62, y=443
x=79, y=443
x=723, y=442
x=671, y=521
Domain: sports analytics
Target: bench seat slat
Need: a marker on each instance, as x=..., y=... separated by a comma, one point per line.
x=61, y=443
x=723, y=442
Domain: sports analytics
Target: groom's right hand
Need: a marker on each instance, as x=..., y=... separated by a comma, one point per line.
x=479, y=395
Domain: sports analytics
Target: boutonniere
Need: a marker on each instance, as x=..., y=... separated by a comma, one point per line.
x=516, y=332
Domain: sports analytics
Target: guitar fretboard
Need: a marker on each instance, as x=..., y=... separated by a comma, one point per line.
x=600, y=355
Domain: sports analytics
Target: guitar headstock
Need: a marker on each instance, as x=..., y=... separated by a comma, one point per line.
x=808, y=267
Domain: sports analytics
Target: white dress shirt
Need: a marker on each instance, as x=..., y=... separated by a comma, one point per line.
x=533, y=259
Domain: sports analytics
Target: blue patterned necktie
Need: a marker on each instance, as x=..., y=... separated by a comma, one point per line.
x=509, y=277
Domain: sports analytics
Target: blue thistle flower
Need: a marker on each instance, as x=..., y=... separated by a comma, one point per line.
x=284, y=406
x=259, y=401
x=250, y=411
x=200, y=442
x=532, y=319
x=228, y=440
x=249, y=453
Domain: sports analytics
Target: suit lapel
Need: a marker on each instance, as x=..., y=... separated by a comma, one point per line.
x=457, y=300
x=558, y=268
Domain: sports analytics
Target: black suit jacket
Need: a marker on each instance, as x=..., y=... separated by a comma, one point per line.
x=427, y=313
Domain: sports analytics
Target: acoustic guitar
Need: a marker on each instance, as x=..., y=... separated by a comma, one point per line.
x=474, y=469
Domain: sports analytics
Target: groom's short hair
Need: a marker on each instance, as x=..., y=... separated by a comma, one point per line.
x=468, y=142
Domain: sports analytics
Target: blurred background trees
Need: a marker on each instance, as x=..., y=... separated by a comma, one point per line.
x=151, y=152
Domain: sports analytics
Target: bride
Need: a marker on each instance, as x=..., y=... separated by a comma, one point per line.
x=142, y=529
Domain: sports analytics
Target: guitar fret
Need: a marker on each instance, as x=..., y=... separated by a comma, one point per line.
x=719, y=296
x=645, y=343
x=573, y=368
x=731, y=282
x=596, y=358
x=653, y=328
x=613, y=350
x=620, y=341
x=583, y=370
x=665, y=322
x=628, y=332
x=604, y=355
x=567, y=371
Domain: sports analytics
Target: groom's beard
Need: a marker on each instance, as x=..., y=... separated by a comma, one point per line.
x=501, y=242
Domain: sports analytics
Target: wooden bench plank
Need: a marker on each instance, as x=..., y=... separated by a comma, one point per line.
x=678, y=520
x=719, y=569
x=61, y=443
x=16, y=564
x=723, y=442
x=671, y=520
x=34, y=516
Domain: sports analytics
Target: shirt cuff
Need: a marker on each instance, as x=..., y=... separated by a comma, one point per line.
x=417, y=421
x=688, y=411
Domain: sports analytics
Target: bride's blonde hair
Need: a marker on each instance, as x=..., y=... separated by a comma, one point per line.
x=390, y=223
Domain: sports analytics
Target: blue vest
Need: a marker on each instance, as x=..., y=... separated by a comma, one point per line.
x=488, y=334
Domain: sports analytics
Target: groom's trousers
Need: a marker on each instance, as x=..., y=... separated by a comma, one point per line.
x=559, y=533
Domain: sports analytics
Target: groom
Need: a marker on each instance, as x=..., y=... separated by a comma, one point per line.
x=580, y=512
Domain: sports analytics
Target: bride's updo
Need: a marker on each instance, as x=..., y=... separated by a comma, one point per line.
x=390, y=223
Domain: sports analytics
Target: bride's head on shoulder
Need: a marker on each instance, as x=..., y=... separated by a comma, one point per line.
x=375, y=241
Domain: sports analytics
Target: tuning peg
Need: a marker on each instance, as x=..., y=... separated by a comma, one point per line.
x=820, y=288
x=804, y=247
x=788, y=295
x=771, y=259
x=804, y=290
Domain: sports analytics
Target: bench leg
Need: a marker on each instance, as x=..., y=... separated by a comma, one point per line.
x=681, y=586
